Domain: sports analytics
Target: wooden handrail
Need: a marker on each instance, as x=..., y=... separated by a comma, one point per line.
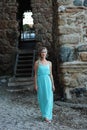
x=34, y=54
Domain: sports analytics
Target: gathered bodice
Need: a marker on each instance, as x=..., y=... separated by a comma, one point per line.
x=43, y=69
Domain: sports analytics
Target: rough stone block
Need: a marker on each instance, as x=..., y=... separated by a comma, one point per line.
x=82, y=47
x=67, y=93
x=61, y=21
x=3, y=24
x=85, y=3
x=71, y=21
x=66, y=54
x=2, y=35
x=64, y=2
x=77, y=2
x=74, y=76
x=83, y=56
x=69, y=29
x=69, y=39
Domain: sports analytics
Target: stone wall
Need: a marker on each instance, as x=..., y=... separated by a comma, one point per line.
x=8, y=35
x=72, y=26
x=61, y=26
x=43, y=18
x=42, y=14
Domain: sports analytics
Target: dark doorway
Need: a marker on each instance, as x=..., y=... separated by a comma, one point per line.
x=26, y=25
x=26, y=43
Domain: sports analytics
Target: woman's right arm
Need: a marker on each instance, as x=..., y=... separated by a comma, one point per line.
x=35, y=76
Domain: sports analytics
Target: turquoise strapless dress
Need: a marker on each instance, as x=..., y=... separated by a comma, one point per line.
x=45, y=93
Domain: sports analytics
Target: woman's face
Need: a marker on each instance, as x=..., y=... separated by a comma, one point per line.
x=43, y=53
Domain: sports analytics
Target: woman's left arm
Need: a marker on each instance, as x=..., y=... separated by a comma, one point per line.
x=51, y=75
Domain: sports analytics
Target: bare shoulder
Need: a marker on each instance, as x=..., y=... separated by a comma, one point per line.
x=36, y=62
x=50, y=63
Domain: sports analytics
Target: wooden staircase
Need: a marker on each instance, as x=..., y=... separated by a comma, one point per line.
x=24, y=63
x=23, y=72
x=16, y=84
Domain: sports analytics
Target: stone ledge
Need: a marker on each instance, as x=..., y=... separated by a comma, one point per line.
x=73, y=9
x=74, y=64
x=72, y=105
x=64, y=2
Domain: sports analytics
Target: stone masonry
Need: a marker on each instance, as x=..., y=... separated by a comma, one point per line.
x=8, y=35
x=43, y=18
x=61, y=26
x=73, y=45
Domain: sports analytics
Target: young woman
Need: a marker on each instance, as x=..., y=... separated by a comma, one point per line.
x=44, y=84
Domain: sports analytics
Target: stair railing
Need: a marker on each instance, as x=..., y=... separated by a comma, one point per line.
x=16, y=64
x=34, y=53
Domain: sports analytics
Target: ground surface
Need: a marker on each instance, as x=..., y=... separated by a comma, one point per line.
x=20, y=111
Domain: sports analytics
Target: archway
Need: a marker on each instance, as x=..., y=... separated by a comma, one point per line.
x=46, y=23
x=26, y=30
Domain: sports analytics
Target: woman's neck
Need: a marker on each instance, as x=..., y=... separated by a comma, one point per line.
x=43, y=59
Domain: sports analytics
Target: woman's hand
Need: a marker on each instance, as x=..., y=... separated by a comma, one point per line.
x=35, y=88
x=53, y=88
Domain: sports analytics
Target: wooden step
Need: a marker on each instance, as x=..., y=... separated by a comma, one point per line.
x=24, y=65
x=20, y=68
x=26, y=51
x=24, y=71
x=23, y=75
x=20, y=84
x=13, y=79
x=25, y=61
x=25, y=57
x=21, y=88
